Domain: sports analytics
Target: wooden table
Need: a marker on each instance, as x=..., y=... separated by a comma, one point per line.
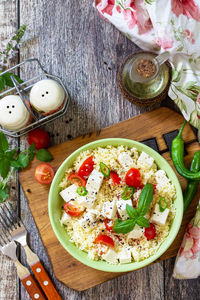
x=74, y=43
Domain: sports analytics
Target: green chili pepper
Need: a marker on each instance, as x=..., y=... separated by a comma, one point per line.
x=128, y=193
x=192, y=186
x=177, y=153
x=104, y=170
x=81, y=191
x=162, y=204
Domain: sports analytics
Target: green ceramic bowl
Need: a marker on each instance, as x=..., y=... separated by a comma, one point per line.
x=55, y=203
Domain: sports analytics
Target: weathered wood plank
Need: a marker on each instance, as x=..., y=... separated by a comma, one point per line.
x=8, y=279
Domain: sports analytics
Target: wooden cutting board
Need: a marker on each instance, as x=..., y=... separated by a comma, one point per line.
x=156, y=129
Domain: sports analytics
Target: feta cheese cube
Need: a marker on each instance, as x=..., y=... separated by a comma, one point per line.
x=125, y=255
x=125, y=160
x=121, y=207
x=136, y=195
x=136, y=233
x=109, y=209
x=161, y=177
x=159, y=217
x=88, y=221
x=110, y=256
x=65, y=219
x=94, y=211
x=86, y=201
x=145, y=159
x=69, y=194
x=94, y=183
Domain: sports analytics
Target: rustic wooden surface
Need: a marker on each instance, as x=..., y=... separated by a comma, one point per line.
x=79, y=276
x=75, y=44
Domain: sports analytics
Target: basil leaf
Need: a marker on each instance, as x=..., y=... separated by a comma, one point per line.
x=124, y=226
x=131, y=211
x=4, y=167
x=8, y=80
x=142, y=221
x=16, y=164
x=23, y=160
x=4, y=193
x=3, y=142
x=44, y=155
x=2, y=83
x=31, y=151
x=145, y=199
x=10, y=154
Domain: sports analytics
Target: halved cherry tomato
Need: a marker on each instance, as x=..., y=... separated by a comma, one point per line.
x=72, y=209
x=44, y=173
x=154, y=188
x=150, y=232
x=77, y=179
x=105, y=240
x=87, y=167
x=39, y=137
x=108, y=227
x=133, y=178
x=115, y=178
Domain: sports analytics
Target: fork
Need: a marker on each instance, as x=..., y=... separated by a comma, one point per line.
x=8, y=248
x=19, y=234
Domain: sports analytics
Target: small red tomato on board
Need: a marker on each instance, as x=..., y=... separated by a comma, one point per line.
x=44, y=173
x=72, y=209
x=150, y=232
x=115, y=178
x=39, y=137
x=108, y=227
x=133, y=178
x=77, y=179
x=104, y=240
x=87, y=167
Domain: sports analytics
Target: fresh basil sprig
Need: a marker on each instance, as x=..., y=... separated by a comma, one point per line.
x=12, y=160
x=5, y=80
x=44, y=155
x=136, y=215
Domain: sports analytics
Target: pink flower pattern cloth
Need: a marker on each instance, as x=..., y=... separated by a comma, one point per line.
x=160, y=25
x=187, y=265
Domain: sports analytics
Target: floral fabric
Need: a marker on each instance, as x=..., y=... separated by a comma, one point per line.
x=160, y=25
x=187, y=265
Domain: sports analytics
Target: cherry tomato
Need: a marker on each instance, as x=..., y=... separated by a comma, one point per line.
x=39, y=137
x=133, y=178
x=87, y=167
x=108, y=227
x=115, y=178
x=154, y=188
x=72, y=209
x=77, y=179
x=44, y=173
x=105, y=240
x=150, y=232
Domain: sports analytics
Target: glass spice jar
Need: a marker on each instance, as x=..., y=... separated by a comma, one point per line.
x=142, y=80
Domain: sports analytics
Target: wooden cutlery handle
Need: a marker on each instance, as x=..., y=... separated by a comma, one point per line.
x=29, y=282
x=32, y=288
x=45, y=282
